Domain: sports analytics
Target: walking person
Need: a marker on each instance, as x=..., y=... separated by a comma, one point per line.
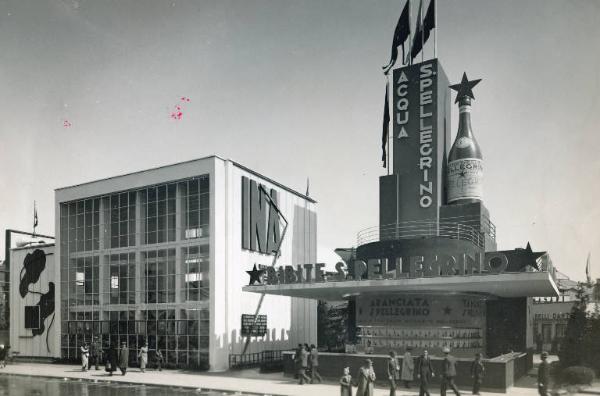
x=477, y=373
x=408, y=368
x=366, y=379
x=85, y=352
x=111, y=360
x=95, y=353
x=393, y=371
x=424, y=373
x=448, y=373
x=346, y=383
x=123, y=358
x=159, y=359
x=143, y=356
x=301, y=362
x=314, y=364
x=543, y=375
x=2, y=356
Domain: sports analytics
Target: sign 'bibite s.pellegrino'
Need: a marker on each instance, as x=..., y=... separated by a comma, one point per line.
x=465, y=161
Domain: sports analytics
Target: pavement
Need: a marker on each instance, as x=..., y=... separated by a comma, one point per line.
x=245, y=381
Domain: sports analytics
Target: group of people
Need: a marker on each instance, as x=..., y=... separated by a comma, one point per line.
x=306, y=359
x=113, y=358
x=406, y=372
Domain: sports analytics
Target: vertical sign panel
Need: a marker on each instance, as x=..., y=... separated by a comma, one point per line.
x=421, y=117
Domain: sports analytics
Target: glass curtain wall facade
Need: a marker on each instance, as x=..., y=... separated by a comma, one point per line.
x=135, y=269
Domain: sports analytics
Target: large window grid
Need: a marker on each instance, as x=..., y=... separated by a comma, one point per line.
x=194, y=195
x=184, y=342
x=195, y=265
x=158, y=213
x=120, y=283
x=119, y=220
x=80, y=225
x=170, y=215
x=158, y=267
x=83, y=280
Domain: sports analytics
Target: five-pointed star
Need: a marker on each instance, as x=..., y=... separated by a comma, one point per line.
x=462, y=174
x=447, y=310
x=465, y=88
x=532, y=256
x=255, y=275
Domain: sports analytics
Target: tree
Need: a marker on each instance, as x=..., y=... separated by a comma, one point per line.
x=572, y=349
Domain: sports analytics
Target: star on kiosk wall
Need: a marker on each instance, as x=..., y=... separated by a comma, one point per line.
x=255, y=275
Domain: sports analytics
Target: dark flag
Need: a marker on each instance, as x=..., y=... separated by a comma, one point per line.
x=423, y=30
x=418, y=38
x=35, y=216
x=401, y=33
x=429, y=21
x=386, y=126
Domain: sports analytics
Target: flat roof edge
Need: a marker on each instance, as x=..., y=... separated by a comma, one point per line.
x=237, y=164
x=140, y=171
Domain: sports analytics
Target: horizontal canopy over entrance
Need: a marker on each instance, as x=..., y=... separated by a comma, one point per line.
x=522, y=284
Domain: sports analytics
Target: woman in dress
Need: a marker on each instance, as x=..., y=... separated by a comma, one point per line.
x=346, y=383
x=84, y=357
x=366, y=379
x=408, y=368
x=143, y=356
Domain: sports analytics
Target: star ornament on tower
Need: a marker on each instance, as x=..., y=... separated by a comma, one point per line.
x=255, y=275
x=464, y=88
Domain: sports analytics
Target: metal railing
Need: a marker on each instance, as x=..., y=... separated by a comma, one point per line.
x=248, y=360
x=460, y=228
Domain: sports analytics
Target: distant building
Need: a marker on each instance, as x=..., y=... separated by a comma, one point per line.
x=551, y=314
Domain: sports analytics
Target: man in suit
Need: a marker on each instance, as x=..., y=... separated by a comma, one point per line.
x=543, y=375
x=393, y=371
x=424, y=373
x=448, y=373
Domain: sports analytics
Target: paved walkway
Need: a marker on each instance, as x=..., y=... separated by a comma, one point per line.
x=247, y=381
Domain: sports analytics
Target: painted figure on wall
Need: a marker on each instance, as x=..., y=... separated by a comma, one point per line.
x=33, y=266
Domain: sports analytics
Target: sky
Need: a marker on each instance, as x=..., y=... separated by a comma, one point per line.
x=293, y=89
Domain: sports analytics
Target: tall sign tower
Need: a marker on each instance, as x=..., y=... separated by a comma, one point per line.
x=420, y=141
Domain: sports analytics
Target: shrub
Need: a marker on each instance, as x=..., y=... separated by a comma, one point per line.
x=577, y=375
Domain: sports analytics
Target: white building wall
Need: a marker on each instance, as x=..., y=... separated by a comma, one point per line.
x=22, y=340
x=290, y=321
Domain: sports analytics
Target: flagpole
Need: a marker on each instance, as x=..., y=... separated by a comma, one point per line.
x=435, y=28
x=387, y=77
x=422, y=34
x=409, y=36
x=34, y=218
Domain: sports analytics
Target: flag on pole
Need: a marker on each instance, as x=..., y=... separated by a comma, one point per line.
x=424, y=27
x=401, y=33
x=429, y=21
x=307, y=186
x=386, y=126
x=418, y=37
x=35, y=216
x=588, y=274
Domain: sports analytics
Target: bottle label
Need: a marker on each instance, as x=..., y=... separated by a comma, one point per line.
x=465, y=179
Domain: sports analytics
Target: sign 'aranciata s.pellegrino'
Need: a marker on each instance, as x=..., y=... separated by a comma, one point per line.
x=373, y=269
